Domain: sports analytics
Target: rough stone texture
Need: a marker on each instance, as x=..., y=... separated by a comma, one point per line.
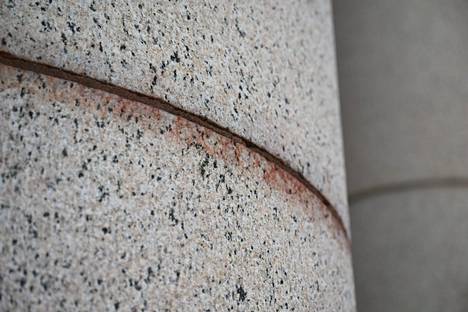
x=403, y=77
x=403, y=82
x=108, y=204
x=411, y=251
x=263, y=69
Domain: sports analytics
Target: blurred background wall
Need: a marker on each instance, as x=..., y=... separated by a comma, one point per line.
x=403, y=75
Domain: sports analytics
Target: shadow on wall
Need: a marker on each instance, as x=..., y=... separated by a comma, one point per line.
x=403, y=75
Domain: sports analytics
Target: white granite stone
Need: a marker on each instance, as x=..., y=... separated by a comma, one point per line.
x=108, y=204
x=263, y=69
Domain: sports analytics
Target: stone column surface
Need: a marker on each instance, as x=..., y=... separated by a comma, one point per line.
x=404, y=86
x=171, y=156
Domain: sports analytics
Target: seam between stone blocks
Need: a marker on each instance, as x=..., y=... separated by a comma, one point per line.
x=407, y=186
x=40, y=68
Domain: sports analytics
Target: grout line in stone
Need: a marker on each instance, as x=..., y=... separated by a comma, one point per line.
x=407, y=186
x=45, y=69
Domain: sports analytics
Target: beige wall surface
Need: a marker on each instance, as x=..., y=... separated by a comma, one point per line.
x=404, y=87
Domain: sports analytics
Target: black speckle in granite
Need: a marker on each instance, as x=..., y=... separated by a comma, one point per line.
x=241, y=292
x=175, y=57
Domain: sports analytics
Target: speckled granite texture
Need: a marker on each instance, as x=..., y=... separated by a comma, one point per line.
x=263, y=69
x=107, y=204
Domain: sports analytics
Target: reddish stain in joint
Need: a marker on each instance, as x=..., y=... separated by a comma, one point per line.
x=256, y=160
x=183, y=130
x=177, y=128
x=230, y=151
x=281, y=180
